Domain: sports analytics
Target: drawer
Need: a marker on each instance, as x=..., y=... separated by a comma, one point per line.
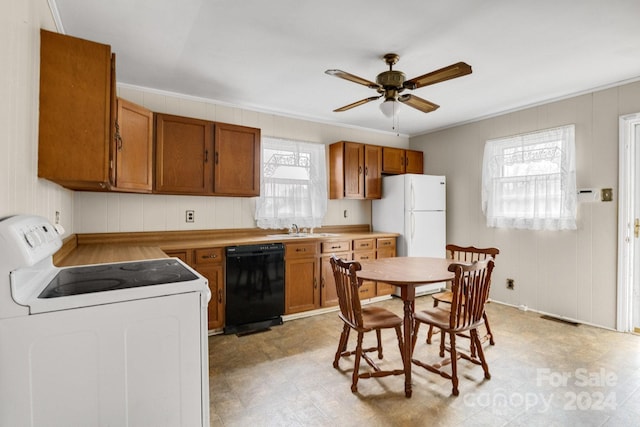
x=367, y=290
x=337, y=246
x=208, y=256
x=384, y=288
x=364, y=255
x=386, y=252
x=363, y=244
x=184, y=255
x=386, y=242
x=299, y=250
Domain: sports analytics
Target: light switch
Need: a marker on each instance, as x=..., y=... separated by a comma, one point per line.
x=606, y=194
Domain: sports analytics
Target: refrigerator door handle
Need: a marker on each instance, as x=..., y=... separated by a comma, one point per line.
x=413, y=225
x=413, y=197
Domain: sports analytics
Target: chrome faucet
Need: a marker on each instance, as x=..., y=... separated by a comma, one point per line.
x=295, y=228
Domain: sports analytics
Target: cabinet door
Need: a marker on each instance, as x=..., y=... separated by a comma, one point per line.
x=353, y=170
x=133, y=147
x=215, y=311
x=237, y=160
x=183, y=155
x=373, y=171
x=385, y=252
x=329, y=295
x=414, y=161
x=392, y=160
x=301, y=285
x=77, y=99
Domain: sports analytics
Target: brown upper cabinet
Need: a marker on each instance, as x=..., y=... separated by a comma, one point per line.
x=133, y=148
x=87, y=139
x=237, y=160
x=200, y=157
x=77, y=112
x=184, y=152
x=399, y=161
x=355, y=171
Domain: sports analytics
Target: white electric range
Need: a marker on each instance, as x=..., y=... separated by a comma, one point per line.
x=118, y=344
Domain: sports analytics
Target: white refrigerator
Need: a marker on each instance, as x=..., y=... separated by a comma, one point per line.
x=415, y=207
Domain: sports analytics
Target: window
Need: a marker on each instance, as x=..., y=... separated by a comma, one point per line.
x=529, y=180
x=293, y=189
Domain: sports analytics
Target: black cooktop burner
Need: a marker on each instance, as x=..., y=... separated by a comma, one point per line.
x=107, y=277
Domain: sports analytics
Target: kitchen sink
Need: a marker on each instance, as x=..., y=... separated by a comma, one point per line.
x=298, y=235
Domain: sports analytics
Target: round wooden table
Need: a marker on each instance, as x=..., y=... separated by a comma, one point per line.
x=406, y=273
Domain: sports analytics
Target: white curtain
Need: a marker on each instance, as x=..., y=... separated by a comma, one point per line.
x=293, y=189
x=529, y=180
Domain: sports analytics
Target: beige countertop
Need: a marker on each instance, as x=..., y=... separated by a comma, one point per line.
x=119, y=247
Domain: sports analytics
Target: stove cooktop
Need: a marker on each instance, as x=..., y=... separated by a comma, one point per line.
x=107, y=277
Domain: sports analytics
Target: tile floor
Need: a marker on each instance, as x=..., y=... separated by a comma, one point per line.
x=544, y=373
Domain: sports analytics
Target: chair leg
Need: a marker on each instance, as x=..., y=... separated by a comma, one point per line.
x=414, y=339
x=483, y=361
x=454, y=364
x=442, y=339
x=400, y=342
x=356, y=363
x=472, y=348
x=430, y=332
x=486, y=324
x=379, y=337
x=342, y=345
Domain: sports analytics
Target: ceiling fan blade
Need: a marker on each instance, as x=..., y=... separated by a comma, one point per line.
x=418, y=103
x=353, y=78
x=355, y=104
x=451, y=72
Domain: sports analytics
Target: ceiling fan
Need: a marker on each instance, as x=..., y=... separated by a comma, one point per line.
x=390, y=84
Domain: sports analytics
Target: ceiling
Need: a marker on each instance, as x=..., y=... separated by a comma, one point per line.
x=270, y=56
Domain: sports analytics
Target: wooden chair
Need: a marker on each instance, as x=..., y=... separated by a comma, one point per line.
x=469, y=294
x=361, y=320
x=465, y=254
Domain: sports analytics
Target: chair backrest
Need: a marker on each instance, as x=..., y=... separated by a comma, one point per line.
x=347, y=284
x=470, y=289
x=470, y=253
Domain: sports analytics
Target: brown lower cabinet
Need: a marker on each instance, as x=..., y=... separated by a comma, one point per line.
x=365, y=249
x=302, y=277
x=342, y=249
x=385, y=248
x=309, y=282
x=209, y=263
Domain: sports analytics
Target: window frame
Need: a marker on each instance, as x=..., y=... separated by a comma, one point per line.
x=541, y=198
x=284, y=201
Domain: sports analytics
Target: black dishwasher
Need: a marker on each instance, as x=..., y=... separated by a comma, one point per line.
x=254, y=287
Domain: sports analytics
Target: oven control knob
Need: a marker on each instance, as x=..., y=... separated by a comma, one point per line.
x=31, y=239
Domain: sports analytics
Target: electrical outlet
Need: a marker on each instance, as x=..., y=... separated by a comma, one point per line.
x=190, y=216
x=510, y=284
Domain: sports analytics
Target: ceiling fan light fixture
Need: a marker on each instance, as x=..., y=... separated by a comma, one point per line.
x=389, y=107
